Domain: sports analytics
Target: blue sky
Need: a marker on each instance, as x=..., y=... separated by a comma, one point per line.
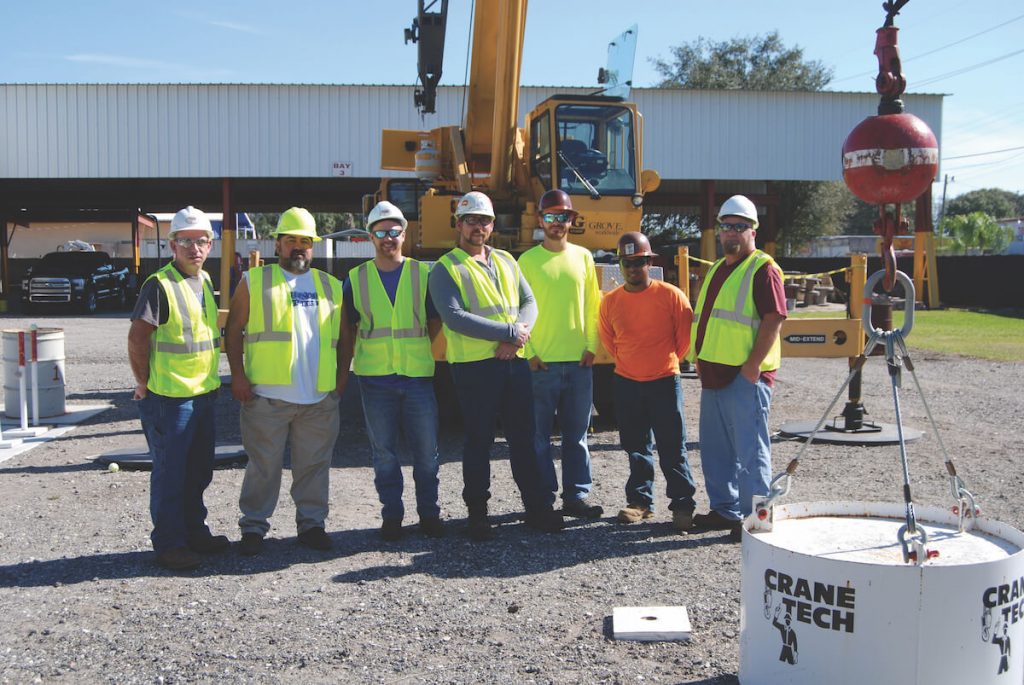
x=974, y=56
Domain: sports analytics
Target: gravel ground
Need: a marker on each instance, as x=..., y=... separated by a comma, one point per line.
x=84, y=602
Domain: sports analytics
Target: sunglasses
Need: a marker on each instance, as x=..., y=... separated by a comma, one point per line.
x=189, y=242
x=560, y=218
x=382, y=233
x=737, y=227
x=635, y=262
x=477, y=220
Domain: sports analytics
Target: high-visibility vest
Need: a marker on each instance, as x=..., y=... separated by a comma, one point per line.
x=392, y=339
x=482, y=298
x=732, y=326
x=185, y=351
x=268, y=333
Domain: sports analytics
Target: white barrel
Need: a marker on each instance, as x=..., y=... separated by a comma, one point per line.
x=427, y=161
x=827, y=598
x=50, y=356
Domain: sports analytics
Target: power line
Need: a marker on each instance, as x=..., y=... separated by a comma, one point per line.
x=964, y=70
x=938, y=49
x=979, y=154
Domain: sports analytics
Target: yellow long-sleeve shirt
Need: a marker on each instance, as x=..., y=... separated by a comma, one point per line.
x=568, y=299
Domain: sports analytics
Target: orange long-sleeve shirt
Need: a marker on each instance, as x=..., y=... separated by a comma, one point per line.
x=646, y=332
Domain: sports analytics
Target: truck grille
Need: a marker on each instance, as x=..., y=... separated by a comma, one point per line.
x=49, y=290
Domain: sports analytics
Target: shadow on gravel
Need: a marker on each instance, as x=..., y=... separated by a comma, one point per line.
x=616, y=447
x=56, y=468
x=521, y=551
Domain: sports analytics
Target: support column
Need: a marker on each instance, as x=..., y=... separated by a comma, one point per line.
x=926, y=274
x=227, y=244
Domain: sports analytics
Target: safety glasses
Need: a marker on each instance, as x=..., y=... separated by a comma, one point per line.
x=189, y=242
x=382, y=233
x=560, y=218
x=635, y=262
x=477, y=220
x=734, y=227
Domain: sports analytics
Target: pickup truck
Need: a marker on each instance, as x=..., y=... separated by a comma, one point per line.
x=83, y=279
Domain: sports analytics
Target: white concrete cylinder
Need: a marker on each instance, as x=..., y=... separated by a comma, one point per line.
x=827, y=598
x=50, y=348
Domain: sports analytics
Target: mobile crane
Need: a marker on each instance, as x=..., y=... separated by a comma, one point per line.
x=588, y=145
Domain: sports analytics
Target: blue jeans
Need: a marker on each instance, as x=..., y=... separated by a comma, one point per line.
x=408, y=411
x=490, y=389
x=640, y=408
x=180, y=433
x=735, y=448
x=568, y=388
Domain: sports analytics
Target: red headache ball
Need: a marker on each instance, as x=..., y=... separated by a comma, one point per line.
x=890, y=158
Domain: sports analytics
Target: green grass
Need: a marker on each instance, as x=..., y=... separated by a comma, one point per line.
x=987, y=335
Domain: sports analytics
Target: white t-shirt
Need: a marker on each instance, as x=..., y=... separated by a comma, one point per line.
x=305, y=345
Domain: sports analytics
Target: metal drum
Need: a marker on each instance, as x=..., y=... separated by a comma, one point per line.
x=827, y=598
x=50, y=356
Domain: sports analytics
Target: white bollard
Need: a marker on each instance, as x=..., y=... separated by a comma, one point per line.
x=25, y=431
x=35, y=374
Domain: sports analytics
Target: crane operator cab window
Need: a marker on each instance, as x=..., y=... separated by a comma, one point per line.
x=595, y=148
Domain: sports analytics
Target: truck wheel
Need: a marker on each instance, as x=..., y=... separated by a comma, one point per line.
x=89, y=301
x=121, y=301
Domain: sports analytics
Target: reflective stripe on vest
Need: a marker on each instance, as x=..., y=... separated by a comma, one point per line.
x=185, y=351
x=733, y=322
x=269, y=356
x=402, y=346
x=481, y=297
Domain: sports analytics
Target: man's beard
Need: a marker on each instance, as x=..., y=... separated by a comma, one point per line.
x=297, y=263
x=731, y=248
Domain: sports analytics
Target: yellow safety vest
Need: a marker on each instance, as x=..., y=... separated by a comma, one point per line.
x=268, y=333
x=482, y=298
x=392, y=339
x=732, y=327
x=185, y=353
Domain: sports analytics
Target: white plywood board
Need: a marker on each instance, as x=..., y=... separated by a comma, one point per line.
x=650, y=624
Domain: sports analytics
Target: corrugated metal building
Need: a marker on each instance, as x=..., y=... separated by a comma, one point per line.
x=160, y=146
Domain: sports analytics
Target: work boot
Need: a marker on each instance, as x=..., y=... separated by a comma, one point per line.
x=250, y=545
x=391, y=530
x=209, y=544
x=714, y=521
x=479, y=527
x=634, y=513
x=545, y=520
x=315, y=538
x=432, y=527
x=579, y=508
x=178, y=559
x=682, y=519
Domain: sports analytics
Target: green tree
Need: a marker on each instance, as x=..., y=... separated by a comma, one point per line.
x=997, y=203
x=807, y=209
x=974, y=232
x=747, y=63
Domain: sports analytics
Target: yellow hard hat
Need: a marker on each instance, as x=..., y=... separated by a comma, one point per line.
x=297, y=221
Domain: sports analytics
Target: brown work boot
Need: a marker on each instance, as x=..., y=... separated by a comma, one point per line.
x=634, y=513
x=179, y=559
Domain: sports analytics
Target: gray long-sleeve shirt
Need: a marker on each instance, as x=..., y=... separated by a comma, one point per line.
x=448, y=302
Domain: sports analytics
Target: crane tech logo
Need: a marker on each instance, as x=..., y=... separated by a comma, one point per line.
x=821, y=605
x=1003, y=606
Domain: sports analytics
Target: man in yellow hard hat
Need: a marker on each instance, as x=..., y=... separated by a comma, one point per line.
x=174, y=349
x=388, y=322
x=286, y=378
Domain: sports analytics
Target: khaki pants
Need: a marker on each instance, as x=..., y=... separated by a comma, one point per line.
x=311, y=430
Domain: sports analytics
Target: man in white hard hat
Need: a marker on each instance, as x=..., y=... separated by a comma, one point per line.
x=174, y=350
x=739, y=314
x=388, y=322
x=488, y=309
x=286, y=378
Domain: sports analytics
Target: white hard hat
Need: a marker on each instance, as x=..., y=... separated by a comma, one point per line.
x=190, y=219
x=475, y=202
x=739, y=205
x=385, y=210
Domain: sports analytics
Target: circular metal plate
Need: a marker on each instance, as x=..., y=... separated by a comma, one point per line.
x=873, y=434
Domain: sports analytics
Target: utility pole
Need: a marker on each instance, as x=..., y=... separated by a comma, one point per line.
x=942, y=210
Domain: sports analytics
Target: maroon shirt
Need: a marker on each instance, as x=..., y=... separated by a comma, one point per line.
x=769, y=297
